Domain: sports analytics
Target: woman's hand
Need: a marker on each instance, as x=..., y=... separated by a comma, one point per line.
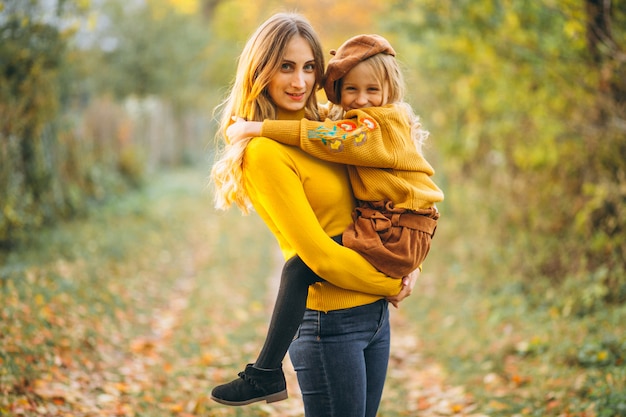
x=408, y=283
x=241, y=130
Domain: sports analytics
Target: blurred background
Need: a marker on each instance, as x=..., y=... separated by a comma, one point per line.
x=525, y=102
x=526, y=105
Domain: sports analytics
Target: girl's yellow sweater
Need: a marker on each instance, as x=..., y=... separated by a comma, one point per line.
x=376, y=143
x=305, y=200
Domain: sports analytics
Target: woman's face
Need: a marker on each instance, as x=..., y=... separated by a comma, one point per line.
x=292, y=84
x=361, y=88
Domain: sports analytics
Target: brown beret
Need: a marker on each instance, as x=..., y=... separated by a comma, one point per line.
x=353, y=51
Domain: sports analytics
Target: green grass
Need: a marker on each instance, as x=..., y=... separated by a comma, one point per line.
x=142, y=308
x=516, y=347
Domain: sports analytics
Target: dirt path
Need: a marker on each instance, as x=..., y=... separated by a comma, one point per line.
x=189, y=313
x=424, y=390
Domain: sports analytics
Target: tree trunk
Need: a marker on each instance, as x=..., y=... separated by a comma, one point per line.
x=607, y=55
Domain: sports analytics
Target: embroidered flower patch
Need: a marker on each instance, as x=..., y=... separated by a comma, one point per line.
x=335, y=135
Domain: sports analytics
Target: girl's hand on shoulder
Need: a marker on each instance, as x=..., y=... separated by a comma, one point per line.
x=242, y=129
x=408, y=283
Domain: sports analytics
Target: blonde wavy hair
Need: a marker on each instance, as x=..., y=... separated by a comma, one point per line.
x=387, y=71
x=259, y=61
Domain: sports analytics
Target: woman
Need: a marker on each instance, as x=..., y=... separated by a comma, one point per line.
x=303, y=200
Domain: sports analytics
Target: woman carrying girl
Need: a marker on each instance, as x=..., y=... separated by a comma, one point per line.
x=304, y=200
x=380, y=138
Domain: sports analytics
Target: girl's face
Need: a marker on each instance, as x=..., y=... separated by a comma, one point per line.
x=361, y=88
x=293, y=83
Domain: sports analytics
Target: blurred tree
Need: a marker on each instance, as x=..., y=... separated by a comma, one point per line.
x=63, y=143
x=336, y=21
x=208, y=8
x=155, y=49
x=526, y=102
x=32, y=50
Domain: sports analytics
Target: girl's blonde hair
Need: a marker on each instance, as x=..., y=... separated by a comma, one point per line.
x=388, y=73
x=259, y=61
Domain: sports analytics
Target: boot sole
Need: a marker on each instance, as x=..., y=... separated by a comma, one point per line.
x=272, y=398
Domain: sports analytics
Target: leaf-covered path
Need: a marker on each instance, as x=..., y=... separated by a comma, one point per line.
x=140, y=310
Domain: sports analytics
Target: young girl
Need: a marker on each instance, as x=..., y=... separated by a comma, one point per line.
x=303, y=200
x=380, y=139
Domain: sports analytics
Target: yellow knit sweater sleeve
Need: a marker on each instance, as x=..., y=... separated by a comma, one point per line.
x=376, y=137
x=304, y=200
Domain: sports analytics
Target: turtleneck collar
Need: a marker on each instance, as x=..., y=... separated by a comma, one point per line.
x=289, y=115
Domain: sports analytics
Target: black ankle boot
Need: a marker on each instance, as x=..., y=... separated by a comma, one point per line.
x=253, y=385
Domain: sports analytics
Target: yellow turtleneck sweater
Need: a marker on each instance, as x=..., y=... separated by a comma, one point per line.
x=305, y=200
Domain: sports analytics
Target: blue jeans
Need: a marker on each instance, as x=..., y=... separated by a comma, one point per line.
x=341, y=359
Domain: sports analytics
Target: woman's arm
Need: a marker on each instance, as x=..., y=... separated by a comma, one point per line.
x=274, y=184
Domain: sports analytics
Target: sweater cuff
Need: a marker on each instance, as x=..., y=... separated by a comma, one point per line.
x=283, y=131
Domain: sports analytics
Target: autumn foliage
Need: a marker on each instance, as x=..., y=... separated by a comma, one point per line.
x=521, y=302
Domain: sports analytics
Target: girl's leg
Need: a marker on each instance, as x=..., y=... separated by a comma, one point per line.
x=264, y=380
x=341, y=360
x=288, y=312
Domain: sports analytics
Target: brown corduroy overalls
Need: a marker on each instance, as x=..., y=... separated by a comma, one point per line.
x=394, y=240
